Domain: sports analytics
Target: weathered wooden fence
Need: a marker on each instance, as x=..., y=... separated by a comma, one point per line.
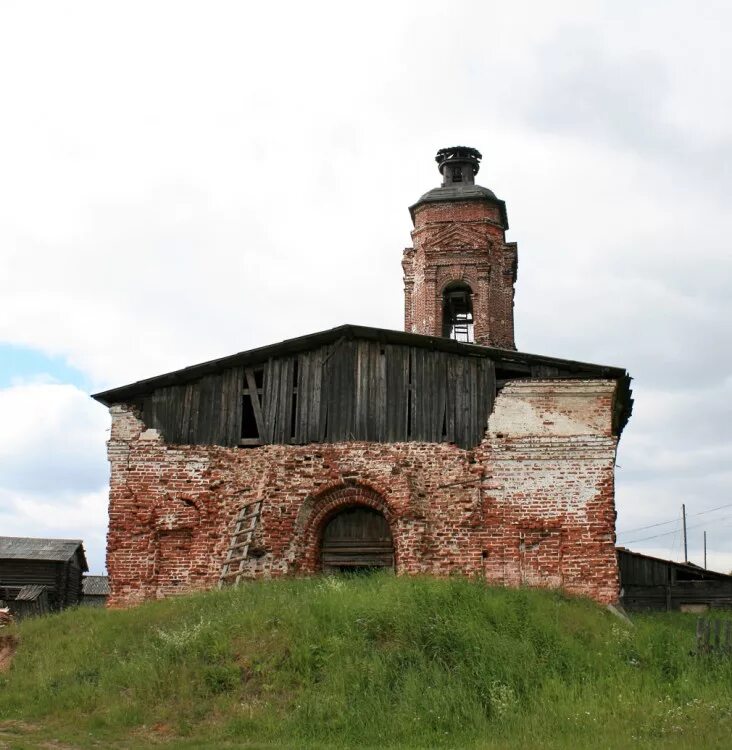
x=713, y=636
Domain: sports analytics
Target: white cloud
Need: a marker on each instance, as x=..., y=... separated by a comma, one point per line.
x=50, y=435
x=184, y=180
x=69, y=515
x=53, y=468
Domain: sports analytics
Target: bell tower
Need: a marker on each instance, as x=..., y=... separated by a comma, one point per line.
x=459, y=276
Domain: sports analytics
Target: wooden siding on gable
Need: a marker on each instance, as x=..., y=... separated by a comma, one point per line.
x=351, y=389
x=207, y=411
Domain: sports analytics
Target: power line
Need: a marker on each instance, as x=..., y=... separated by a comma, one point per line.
x=710, y=510
x=668, y=533
x=675, y=520
x=650, y=526
x=655, y=536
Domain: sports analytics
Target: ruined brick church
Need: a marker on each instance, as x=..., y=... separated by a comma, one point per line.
x=437, y=450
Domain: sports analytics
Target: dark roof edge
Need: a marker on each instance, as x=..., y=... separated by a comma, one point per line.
x=687, y=565
x=301, y=343
x=427, y=198
x=79, y=548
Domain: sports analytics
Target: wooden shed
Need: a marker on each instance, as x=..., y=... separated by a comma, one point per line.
x=96, y=591
x=57, y=565
x=652, y=584
x=30, y=601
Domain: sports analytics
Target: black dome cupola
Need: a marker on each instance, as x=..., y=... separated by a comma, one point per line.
x=458, y=165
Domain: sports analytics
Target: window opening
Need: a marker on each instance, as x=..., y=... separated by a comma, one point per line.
x=410, y=397
x=249, y=431
x=293, y=411
x=457, y=313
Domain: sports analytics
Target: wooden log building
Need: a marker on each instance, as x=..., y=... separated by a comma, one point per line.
x=649, y=584
x=95, y=591
x=29, y=565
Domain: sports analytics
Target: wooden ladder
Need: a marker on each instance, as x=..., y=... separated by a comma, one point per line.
x=246, y=523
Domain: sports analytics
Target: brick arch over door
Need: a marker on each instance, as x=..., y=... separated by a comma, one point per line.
x=330, y=504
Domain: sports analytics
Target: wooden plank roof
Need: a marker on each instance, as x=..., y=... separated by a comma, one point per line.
x=516, y=363
x=30, y=593
x=34, y=548
x=95, y=585
x=688, y=567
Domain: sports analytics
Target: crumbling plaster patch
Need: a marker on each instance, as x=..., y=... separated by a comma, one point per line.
x=541, y=407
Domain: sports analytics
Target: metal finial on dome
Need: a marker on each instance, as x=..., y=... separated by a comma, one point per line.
x=458, y=164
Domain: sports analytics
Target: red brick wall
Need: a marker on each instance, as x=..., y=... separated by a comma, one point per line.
x=533, y=504
x=460, y=241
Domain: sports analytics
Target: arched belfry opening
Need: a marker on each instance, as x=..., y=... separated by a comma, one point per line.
x=460, y=233
x=357, y=538
x=457, y=313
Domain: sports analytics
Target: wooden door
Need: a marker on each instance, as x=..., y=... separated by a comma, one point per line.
x=357, y=539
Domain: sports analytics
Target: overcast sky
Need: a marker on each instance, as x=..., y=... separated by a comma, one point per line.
x=180, y=181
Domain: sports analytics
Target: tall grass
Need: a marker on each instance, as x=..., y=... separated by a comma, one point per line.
x=366, y=662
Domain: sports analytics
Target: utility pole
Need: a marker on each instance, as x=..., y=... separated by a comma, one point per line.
x=683, y=516
x=705, y=550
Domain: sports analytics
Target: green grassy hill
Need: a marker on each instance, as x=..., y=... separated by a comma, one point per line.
x=374, y=661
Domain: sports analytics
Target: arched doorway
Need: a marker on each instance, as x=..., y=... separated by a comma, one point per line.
x=355, y=539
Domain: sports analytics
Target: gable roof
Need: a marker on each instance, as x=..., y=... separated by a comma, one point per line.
x=509, y=364
x=507, y=359
x=33, y=548
x=95, y=585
